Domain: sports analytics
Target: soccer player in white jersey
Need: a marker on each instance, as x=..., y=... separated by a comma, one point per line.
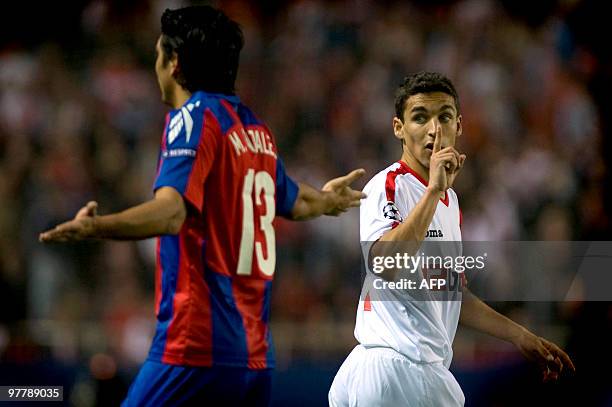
x=405, y=345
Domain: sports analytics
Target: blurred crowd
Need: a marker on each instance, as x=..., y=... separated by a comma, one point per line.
x=82, y=121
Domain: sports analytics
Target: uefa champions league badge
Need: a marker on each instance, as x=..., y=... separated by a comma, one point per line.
x=390, y=211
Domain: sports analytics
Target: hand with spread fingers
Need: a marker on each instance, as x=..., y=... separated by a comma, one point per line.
x=80, y=228
x=344, y=197
x=551, y=359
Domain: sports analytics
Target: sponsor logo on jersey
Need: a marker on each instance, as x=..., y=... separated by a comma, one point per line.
x=180, y=120
x=390, y=211
x=179, y=152
x=434, y=233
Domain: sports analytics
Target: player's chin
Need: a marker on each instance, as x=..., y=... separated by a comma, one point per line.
x=426, y=160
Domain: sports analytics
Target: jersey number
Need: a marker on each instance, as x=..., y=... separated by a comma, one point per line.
x=262, y=181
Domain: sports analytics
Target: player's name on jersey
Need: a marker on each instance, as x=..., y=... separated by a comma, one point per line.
x=253, y=139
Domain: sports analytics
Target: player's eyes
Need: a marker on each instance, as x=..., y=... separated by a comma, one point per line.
x=445, y=118
x=419, y=119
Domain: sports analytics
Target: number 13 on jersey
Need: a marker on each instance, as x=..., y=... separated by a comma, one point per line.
x=254, y=185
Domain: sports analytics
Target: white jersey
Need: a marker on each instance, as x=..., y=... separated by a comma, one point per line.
x=423, y=331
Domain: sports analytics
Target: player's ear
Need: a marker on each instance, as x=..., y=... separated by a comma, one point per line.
x=174, y=65
x=459, y=125
x=397, y=127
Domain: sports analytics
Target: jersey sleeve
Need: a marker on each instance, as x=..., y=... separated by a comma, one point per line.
x=187, y=153
x=384, y=208
x=286, y=190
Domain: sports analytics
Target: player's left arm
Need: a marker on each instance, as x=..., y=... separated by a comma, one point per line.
x=550, y=358
x=164, y=214
x=334, y=198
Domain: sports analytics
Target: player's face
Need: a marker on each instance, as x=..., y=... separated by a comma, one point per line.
x=423, y=114
x=164, y=73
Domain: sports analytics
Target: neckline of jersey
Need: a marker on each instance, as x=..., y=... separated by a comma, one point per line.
x=234, y=99
x=422, y=180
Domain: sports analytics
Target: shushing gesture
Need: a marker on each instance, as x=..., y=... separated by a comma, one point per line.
x=444, y=165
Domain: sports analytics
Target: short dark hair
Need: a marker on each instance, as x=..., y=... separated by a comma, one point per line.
x=423, y=82
x=207, y=44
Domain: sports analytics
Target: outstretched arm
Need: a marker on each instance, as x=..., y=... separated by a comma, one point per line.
x=478, y=315
x=162, y=215
x=334, y=198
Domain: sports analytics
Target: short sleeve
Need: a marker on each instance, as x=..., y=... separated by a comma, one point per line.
x=286, y=190
x=383, y=209
x=187, y=153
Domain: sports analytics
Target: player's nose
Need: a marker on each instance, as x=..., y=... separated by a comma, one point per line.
x=432, y=128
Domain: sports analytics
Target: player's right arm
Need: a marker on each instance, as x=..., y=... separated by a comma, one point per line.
x=164, y=214
x=184, y=160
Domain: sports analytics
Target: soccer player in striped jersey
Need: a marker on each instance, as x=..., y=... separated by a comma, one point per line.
x=220, y=182
x=405, y=338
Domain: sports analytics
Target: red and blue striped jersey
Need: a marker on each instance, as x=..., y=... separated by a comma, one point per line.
x=213, y=279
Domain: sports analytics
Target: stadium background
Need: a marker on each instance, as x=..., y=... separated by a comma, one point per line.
x=81, y=119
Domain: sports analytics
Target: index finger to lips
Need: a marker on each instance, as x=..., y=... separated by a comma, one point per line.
x=438, y=140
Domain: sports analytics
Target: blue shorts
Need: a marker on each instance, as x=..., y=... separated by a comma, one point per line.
x=160, y=384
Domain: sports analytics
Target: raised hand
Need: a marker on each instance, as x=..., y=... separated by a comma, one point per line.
x=81, y=227
x=444, y=165
x=344, y=197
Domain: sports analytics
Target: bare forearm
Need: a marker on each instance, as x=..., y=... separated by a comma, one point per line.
x=481, y=317
x=334, y=198
x=160, y=216
x=311, y=203
x=149, y=219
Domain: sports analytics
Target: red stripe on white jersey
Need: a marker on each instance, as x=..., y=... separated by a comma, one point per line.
x=408, y=170
x=390, y=182
x=367, y=304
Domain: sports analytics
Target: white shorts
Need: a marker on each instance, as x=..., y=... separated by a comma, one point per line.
x=371, y=377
